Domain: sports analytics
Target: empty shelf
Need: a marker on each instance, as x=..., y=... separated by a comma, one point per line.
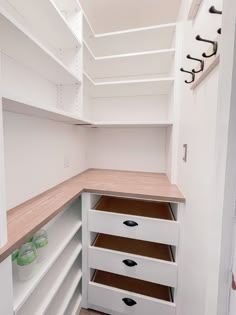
x=20, y=45
x=21, y=106
x=54, y=29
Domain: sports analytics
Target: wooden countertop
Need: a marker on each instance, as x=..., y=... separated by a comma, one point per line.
x=27, y=218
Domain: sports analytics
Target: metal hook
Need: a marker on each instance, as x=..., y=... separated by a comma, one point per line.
x=214, y=11
x=201, y=62
x=214, y=43
x=190, y=72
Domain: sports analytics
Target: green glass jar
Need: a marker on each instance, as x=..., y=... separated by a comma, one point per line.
x=26, y=261
x=40, y=240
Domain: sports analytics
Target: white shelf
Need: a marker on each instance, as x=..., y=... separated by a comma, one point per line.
x=132, y=40
x=156, y=62
x=60, y=234
x=66, y=292
x=74, y=306
x=20, y=45
x=132, y=124
x=20, y=106
x=194, y=7
x=40, y=299
x=130, y=87
x=116, y=18
x=45, y=19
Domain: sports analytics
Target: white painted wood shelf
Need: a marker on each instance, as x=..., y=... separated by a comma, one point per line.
x=25, y=107
x=63, y=297
x=19, y=44
x=60, y=234
x=74, y=306
x=154, y=86
x=156, y=63
x=54, y=29
x=132, y=124
x=41, y=298
x=194, y=7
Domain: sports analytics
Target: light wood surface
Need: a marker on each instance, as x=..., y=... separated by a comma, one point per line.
x=27, y=218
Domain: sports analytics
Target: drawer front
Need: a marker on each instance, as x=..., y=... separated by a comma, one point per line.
x=112, y=299
x=148, y=229
x=149, y=269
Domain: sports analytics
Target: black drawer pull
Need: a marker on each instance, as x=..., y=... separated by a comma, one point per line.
x=129, y=263
x=130, y=223
x=129, y=302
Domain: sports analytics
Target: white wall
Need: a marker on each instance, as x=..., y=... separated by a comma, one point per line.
x=35, y=152
x=134, y=149
x=130, y=109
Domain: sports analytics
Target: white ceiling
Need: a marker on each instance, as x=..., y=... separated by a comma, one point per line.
x=115, y=15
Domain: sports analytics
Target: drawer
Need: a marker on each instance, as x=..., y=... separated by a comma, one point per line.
x=137, y=219
x=123, y=295
x=133, y=258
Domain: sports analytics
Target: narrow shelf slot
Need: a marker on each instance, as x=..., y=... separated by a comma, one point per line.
x=41, y=298
x=74, y=306
x=63, y=297
x=60, y=234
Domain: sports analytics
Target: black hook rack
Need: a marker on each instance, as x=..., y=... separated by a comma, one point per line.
x=219, y=31
x=199, y=60
x=213, y=10
x=192, y=74
x=214, y=44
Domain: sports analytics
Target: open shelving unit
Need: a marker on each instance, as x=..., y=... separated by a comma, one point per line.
x=123, y=78
x=20, y=45
x=42, y=62
x=63, y=258
x=55, y=29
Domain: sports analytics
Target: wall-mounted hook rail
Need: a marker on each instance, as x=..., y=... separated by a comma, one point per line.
x=199, y=60
x=192, y=74
x=213, y=10
x=219, y=31
x=214, y=44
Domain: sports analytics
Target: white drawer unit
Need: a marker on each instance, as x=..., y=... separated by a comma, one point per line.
x=138, y=219
x=121, y=295
x=133, y=258
x=132, y=255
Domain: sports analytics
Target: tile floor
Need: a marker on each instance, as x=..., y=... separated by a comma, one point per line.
x=90, y=312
